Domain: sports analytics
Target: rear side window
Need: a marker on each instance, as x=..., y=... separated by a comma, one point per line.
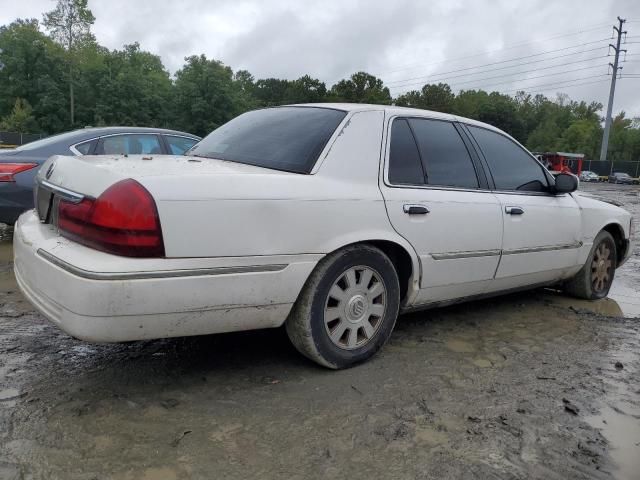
x=444, y=155
x=129, y=144
x=179, y=145
x=284, y=138
x=404, y=159
x=87, y=147
x=511, y=166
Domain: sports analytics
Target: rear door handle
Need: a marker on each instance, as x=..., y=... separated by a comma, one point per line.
x=412, y=209
x=514, y=210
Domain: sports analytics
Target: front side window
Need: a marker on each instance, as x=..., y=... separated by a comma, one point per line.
x=511, y=166
x=404, y=160
x=284, y=138
x=129, y=145
x=444, y=155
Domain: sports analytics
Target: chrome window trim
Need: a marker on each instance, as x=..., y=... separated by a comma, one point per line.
x=476, y=190
x=436, y=187
x=180, y=136
x=191, y=272
x=75, y=151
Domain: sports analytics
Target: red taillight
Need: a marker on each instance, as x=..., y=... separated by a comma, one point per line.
x=8, y=170
x=123, y=221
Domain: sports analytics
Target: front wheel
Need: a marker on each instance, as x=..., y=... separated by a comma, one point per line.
x=594, y=279
x=347, y=308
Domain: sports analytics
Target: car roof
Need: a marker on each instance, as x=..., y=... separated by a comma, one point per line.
x=100, y=131
x=392, y=110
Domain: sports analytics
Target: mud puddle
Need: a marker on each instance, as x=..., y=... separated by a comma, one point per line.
x=619, y=415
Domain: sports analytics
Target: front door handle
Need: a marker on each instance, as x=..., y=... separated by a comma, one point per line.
x=514, y=210
x=412, y=209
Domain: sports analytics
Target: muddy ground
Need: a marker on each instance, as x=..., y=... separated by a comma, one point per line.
x=532, y=385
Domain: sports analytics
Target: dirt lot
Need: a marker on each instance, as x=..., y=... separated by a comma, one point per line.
x=523, y=386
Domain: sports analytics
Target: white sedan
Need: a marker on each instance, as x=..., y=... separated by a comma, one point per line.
x=330, y=219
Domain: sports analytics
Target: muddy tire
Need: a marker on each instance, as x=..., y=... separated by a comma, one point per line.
x=594, y=279
x=347, y=308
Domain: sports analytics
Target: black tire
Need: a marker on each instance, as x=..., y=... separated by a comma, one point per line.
x=306, y=324
x=584, y=284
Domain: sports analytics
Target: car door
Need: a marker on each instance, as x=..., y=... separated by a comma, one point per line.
x=437, y=198
x=541, y=237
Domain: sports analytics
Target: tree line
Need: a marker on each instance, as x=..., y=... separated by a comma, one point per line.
x=55, y=76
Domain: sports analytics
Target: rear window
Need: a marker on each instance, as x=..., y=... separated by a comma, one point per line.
x=284, y=138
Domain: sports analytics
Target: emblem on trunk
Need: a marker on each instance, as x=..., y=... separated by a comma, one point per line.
x=50, y=170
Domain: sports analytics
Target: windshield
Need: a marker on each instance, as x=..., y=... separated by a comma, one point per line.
x=47, y=141
x=282, y=138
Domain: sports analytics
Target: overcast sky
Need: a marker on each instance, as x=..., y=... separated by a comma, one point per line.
x=405, y=42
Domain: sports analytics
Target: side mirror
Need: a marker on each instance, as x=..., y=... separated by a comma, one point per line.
x=565, y=183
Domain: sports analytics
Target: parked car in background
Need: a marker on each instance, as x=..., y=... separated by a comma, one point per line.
x=330, y=219
x=18, y=167
x=589, y=176
x=622, y=177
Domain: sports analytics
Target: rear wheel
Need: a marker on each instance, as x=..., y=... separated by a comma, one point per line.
x=347, y=308
x=594, y=280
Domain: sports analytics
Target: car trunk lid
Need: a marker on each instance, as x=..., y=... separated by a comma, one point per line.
x=92, y=175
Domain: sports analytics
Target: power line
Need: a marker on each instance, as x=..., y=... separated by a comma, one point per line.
x=512, y=47
x=588, y=28
x=558, y=83
x=495, y=69
x=522, y=72
x=524, y=79
x=512, y=60
x=564, y=87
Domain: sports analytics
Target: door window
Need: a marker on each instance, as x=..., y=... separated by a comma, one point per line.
x=511, y=166
x=86, y=148
x=179, y=145
x=404, y=160
x=444, y=155
x=129, y=144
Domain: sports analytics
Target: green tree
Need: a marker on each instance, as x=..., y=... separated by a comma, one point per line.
x=361, y=87
x=582, y=136
x=271, y=91
x=438, y=97
x=20, y=119
x=70, y=25
x=127, y=87
x=306, y=90
x=205, y=95
x=32, y=69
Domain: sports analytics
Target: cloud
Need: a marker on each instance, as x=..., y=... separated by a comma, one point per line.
x=398, y=40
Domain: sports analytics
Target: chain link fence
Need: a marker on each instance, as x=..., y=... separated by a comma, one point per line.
x=606, y=168
x=14, y=139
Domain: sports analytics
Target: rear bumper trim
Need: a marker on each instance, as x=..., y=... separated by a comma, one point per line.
x=194, y=272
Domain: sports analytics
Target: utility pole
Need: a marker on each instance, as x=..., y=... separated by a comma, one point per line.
x=612, y=91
